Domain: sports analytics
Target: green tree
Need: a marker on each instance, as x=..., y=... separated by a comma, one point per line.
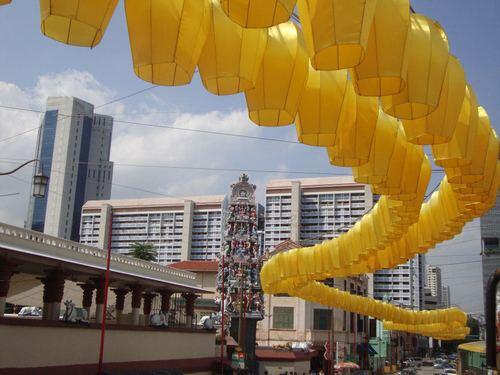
x=144, y=251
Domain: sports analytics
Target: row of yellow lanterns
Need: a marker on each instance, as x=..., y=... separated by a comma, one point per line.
x=364, y=78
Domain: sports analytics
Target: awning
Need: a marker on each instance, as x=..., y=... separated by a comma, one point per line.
x=476, y=347
x=364, y=347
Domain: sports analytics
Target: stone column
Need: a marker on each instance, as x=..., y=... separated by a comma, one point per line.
x=190, y=298
x=6, y=272
x=53, y=291
x=136, y=303
x=165, y=300
x=105, y=227
x=295, y=214
x=148, y=302
x=120, y=303
x=100, y=285
x=88, y=291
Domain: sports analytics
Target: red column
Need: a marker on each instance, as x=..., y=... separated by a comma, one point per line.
x=148, y=301
x=6, y=272
x=165, y=300
x=53, y=292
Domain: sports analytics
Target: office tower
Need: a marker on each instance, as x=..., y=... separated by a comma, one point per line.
x=403, y=285
x=73, y=147
x=433, y=281
x=490, y=241
x=179, y=228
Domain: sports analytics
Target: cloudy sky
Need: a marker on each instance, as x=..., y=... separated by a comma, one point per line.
x=33, y=67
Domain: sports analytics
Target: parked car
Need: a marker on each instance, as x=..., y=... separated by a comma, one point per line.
x=449, y=371
x=427, y=362
x=439, y=366
x=415, y=361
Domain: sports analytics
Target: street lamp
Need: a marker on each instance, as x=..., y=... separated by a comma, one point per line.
x=40, y=181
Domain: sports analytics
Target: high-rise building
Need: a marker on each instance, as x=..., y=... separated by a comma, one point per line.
x=433, y=281
x=302, y=212
x=445, y=296
x=403, y=285
x=490, y=241
x=180, y=229
x=73, y=148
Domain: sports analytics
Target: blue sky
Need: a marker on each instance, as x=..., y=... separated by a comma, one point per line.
x=32, y=66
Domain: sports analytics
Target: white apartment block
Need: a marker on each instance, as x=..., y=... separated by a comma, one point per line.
x=179, y=228
x=73, y=147
x=433, y=281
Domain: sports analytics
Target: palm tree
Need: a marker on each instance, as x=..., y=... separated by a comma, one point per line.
x=144, y=251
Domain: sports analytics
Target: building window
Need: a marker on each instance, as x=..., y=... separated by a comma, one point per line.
x=283, y=317
x=322, y=319
x=491, y=245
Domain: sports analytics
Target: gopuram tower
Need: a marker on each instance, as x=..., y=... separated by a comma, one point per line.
x=239, y=266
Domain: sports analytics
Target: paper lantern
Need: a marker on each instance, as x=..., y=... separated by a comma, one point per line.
x=258, y=13
x=458, y=151
x=336, y=31
x=355, y=130
x=75, y=22
x=231, y=59
x=388, y=146
x=439, y=126
x=428, y=53
x=166, y=38
x=320, y=107
x=384, y=68
x=5, y=2
x=275, y=99
x=486, y=145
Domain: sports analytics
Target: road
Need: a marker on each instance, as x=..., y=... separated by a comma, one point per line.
x=426, y=370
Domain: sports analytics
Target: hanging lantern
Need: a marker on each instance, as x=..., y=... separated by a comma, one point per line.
x=275, y=99
x=5, y=2
x=439, y=126
x=336, y=31
x=166, y=38
x=384, y=68
x=486, y=145
x=355, y=130
x=428, y=53
x=388, y=144
x=75, y=22
x=222, y=71
x=458, y=151
x=320, y=107
x=258, y=13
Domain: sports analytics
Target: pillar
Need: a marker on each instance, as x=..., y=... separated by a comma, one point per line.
x=88, y=291
x=136, y=303
x=120, y=303
x=53, y=290
x=6, y=272
x=148, y=302
x=165, y=300
x=100, y=285
x=187, y=225
x=295, y=214
x=190, y=298
x=105, y=227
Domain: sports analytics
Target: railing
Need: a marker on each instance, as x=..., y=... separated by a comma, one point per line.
x=40, y=238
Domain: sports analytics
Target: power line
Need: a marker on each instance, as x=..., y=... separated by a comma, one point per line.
x=8, y=195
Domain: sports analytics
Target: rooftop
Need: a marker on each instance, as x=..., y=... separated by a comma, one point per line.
x=313, y=182
x=154, y=202
x=196, y=266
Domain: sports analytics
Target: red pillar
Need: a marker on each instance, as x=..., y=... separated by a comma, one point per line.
x=6, y=272
x=53, y=292
x=148, y=302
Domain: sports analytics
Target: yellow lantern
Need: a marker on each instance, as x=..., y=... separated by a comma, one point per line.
x=258, y=13
x=222, y=70
x=439, y=126
x=458, y=151
x=428, y=53
x=486, y=145
x=336, y=31
x=5, y=2
x=75, y=22
x=388, y=146
x=166, y=38
x=275, y=99
x=321, y=106
x=384, y=68
x=355, y=130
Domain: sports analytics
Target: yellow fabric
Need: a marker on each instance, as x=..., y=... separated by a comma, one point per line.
x=321, y=106
x=458, y=151
x=258, y=13
x=428, y=53
x=355, y=130
x=222, y=71
x=476, y=347
x=439, y=126
x=384, y=68
x=5, y=2
x=282, y=78
x=182, y=27
x=336, y=31
x=75, y=22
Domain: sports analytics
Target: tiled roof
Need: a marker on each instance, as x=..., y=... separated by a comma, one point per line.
x=196, y=265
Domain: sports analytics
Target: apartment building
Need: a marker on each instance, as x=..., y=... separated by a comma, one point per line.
x=180, y=229
x=73, y=149
x=433, y=281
